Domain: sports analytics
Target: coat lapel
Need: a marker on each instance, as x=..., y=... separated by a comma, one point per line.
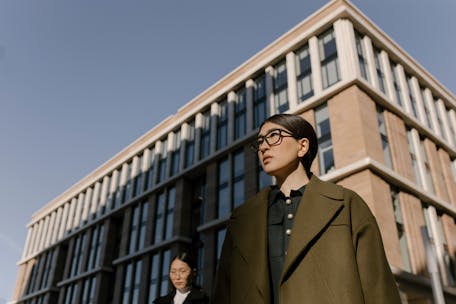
x=250, y=236
x=319, y=205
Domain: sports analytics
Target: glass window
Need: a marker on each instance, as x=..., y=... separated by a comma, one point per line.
x=199, y=203
x=240, y=114
x=223, y=188
x=259, y=101
x=88, y=290
x=384, y=137
x=281, y=87
x=200, y=263
x=78, y=254
x=325, y=151
x=47, y=269
x=175, y=157
x=263, y=178
x=159, y=217
x=220, y=238
x=328, y=58
x=162, y=161
x=127, y=284
x=379, y=69
x=401, y=232
x=361, y=55
x=397, y=86
x=447, y=258
x=427, y=168
x=98, y=247
x=222, y=125
x=304, y=74
x=93, y=246
x=143, y=225
x=238, y=178
x=154, y=274
x=413, y=157
x=170, y=213
x=136, y=282
x=190, y=145
x=165, y=272
x=205, y=144
x=134, y=229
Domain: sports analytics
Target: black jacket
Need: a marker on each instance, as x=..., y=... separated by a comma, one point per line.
x=194, y=297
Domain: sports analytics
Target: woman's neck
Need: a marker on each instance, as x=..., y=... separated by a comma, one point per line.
x=292, y=181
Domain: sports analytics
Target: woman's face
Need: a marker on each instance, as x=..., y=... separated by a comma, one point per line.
x=283, y=157
x=181, y=275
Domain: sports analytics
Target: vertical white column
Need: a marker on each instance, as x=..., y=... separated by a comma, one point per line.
x=231, y=99
x=452, y=122
x=402, y=82
x=419, y=101
x=64, y=220
x=44, y=233
x=183, y=134
x=78, y=210
x=346, y=49
x=372, y=69
x=420, y=160
x=38, y=236
x=249, y=85
x=50, y=229
x=385, y=62
x=214, y=118
x=104, y=195
x=432, y=110
x=198, y=126
x=123, y=175
x=315, y=65
x=95, y=200
x=71, y=215
x=269, y=72
x=292, y=83
x=169, y=148
x=438, y=242
x=27, y=243
x=58, y=223
x=86, y=208
x=444, y=119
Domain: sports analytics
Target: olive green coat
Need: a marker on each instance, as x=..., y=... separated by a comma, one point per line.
x=335, y=253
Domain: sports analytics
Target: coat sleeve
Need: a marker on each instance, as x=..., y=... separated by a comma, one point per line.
x=377, y=280
x=223, y=276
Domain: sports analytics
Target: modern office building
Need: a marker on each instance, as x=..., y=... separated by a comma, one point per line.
x=386, y=129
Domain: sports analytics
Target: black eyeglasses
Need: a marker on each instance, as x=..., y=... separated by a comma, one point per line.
x=272, y=138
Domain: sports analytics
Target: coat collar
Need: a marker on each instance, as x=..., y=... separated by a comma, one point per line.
x=319, y=205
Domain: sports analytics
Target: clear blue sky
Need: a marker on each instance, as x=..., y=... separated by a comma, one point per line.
x=80, y=80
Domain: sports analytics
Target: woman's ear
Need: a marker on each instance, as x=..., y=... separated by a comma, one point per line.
x=303, y=147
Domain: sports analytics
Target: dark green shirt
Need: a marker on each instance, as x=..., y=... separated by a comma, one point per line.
x=281, y=213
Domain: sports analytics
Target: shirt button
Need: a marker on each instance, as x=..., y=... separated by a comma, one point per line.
x=290, y=216
x=288, y=201
x=288, y=231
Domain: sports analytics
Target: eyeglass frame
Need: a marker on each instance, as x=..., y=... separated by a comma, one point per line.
x=256, y=144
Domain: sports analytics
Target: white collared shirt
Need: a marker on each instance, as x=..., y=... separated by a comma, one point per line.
x=179, y=298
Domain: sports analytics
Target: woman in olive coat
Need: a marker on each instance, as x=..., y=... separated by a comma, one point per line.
x=303, y=240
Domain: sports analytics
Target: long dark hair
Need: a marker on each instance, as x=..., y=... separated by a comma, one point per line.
x=187, y=258
x=300, y=128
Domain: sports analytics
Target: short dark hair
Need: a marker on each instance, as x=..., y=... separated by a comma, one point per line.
x=300, y=128
x=187, y=258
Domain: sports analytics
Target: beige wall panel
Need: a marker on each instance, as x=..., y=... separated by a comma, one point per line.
x=448, y=176
x=354, y=128
x=413, y=220
x=377, y=195
x=437, y=175
x=400, y=154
